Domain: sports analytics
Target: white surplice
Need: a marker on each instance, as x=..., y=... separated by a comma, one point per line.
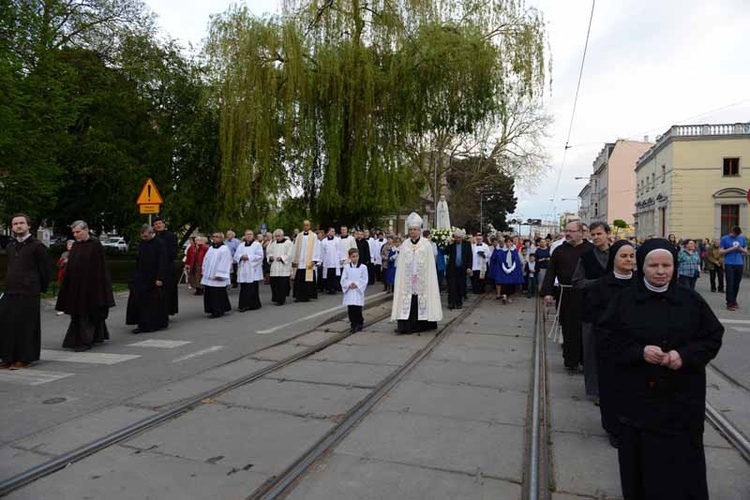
x=345, y=244
x=300, y=245
x=281, y=253
x=250, y=270
x=377, y=257
x=479, y=263
x=330, y=254
x=357, y=275
x=416, y=274
x=217, y=266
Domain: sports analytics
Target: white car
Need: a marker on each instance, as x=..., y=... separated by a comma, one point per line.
x=118, y=243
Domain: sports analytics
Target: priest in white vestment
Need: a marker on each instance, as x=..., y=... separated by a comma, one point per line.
x=481, y=256
x=306, y=255
x=416, y=296
x=217, y=269
x=280, y=258
x=249, y=259
x=330, y=253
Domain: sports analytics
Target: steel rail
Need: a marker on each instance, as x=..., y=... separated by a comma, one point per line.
x=533, y=473
x=53, y=465
x=278, y=485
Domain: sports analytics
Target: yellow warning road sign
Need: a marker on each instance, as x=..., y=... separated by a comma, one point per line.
x=149, y=195
x=149, y=209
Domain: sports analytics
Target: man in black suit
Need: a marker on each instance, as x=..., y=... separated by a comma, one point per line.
x=459, y=266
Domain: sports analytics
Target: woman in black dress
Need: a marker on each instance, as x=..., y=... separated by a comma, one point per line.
x=660, y=336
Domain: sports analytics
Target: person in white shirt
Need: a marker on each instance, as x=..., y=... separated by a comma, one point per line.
x=481, y=252
x=280, y=258
x=331, y=259
x=249, y=259
x=354, y=283
x=217, y=269
x=376, y=254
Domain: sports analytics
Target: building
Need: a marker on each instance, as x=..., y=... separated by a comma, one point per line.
x=690, y=182
x=610, y=193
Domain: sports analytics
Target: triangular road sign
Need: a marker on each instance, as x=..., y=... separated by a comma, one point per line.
x=149, y=195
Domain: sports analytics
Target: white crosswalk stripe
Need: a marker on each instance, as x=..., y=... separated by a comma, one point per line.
x=742, y=329
x=31, y=376
x=162, y=344
x=198, y=353
x=97, y=358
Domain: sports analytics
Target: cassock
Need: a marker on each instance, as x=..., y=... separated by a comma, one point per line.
x=279, y=255
x=171, y=281
x=217, y=270
x=146, y=303
x=416, y=296
x=481, y=253
x=249, y=274
x=330, y=253
x=306, y=255
x=363, y=247
x=86, y=295
x=27, y=277
x=354, y=298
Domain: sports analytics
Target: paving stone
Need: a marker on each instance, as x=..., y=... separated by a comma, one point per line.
x=728, y=474
x=389, y=339
x=382, y=355
x=337, y=326
x=585, y=465
x=354, y=374
x=522, y=345
x=14, y=461
x=459, y=445
x=235, y=437
x=235, y=370
x=74, y=433
x=711, y=437
x=458, y=401
x=576, y=415
x=279, y=352
x=344, y=476
x=175, y=392
x=313, y=338
x=295, y=397
x=473, y=355
x=452, y=372
x=119, y=473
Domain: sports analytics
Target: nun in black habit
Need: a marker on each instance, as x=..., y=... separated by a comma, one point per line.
x=619, y=276
x=660, y=336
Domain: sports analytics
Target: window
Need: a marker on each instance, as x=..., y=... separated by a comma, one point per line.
x=596, y=210
x=730, y=217
x=663, y=222
x=731, y=167
x=663, y=173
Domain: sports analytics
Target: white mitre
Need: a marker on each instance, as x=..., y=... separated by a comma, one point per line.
x=414, y=220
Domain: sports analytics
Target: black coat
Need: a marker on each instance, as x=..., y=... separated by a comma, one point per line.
x=86, y=289
x=598, y=298
x=655, y=397
x=146, y=303
x=28, y=268
x=466, y=256
x=151, y=265
x=363, y=246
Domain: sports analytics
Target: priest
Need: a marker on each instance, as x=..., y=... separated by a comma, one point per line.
x=330, y=253
x=249, y=260
x=27, y=277
x=86, y=291
x=416, y=296
x=146, y=303
x=170, y=280
x=306, y=255
x=217, y=271
x=280, y=258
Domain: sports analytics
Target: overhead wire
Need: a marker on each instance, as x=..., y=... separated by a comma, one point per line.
x=575, y=102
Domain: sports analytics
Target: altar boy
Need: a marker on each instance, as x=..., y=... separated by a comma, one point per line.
x=353, y=283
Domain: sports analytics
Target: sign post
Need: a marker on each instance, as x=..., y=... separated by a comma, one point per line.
x=149, y=201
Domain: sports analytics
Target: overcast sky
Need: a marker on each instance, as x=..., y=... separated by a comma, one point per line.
x=650, y=64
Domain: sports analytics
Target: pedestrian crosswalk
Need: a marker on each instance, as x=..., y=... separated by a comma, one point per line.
x=97, y=358
x=31, y=376
x=161, y=344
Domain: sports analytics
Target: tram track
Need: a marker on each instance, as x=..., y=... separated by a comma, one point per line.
x=184, y=406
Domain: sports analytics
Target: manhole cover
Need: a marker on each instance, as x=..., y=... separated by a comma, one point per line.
x=54, y=401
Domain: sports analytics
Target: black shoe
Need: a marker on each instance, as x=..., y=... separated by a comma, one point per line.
x=614, y=441
x=450, y=306
x=460, y=306
x=136, y=330
x=82, y=348
x=721, y=291
x=713, y=290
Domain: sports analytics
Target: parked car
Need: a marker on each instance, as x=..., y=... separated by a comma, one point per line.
x=118, y=243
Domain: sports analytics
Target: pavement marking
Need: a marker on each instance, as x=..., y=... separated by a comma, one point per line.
x=31, y=376
x=97, y=358
x=742, y=329
x=162, y=344
x=320, y=313
x=198, y=353
x=735, y=321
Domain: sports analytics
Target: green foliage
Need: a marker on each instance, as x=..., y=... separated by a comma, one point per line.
x=620, y=224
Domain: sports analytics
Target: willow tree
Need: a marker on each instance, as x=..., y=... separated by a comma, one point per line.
x=325, y=100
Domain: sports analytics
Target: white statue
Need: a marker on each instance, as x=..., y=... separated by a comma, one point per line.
x=443, y=219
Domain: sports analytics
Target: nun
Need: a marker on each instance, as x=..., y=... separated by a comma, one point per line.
x=659, y=336
x=619, y=276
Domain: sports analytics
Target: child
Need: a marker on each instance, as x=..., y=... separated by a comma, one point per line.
x=353, y=283
x=530, y=269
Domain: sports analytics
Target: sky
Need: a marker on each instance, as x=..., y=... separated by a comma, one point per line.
x=649, y=65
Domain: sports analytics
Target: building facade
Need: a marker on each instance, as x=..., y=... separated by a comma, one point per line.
x=610, y=193
x=690, y=182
